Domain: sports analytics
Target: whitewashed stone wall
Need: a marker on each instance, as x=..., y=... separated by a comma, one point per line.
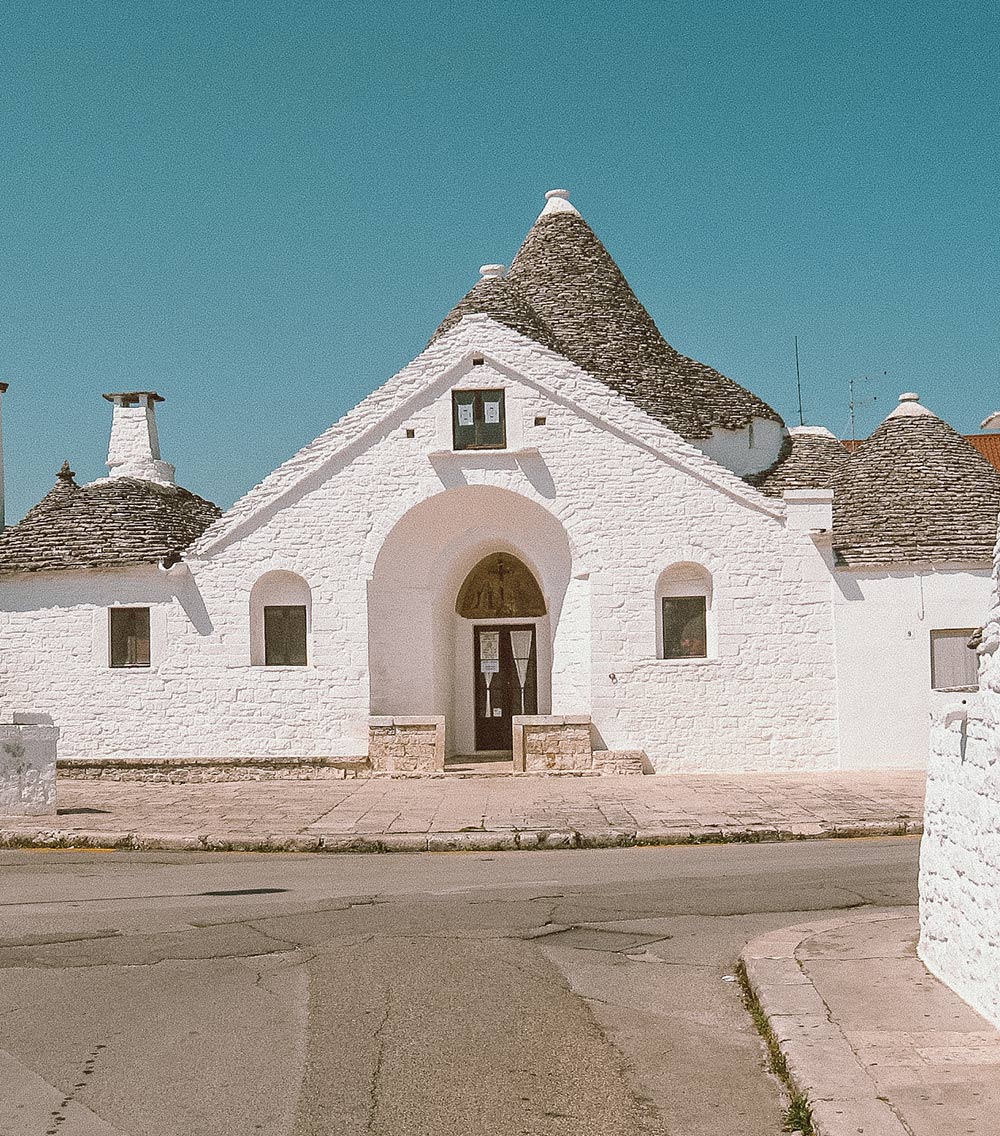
x=616, y=513
x=27, y=770
x=960, y=851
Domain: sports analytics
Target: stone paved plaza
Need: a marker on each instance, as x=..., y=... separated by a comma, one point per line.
x=474, y=812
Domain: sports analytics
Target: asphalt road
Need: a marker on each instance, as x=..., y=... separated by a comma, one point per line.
x=550, y=993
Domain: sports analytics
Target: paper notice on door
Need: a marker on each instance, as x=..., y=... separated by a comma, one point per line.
x=497, y=712
x=491, y=412
x=490, y=666
x=465, y=415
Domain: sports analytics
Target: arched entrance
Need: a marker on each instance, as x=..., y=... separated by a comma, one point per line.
x=503, y=600
x=466, y=562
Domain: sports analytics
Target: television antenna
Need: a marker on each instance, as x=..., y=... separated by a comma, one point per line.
x=854, y=403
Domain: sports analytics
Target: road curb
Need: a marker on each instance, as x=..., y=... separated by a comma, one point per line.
x=478, y=840
x=822, y=1065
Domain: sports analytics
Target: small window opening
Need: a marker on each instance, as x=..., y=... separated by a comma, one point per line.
x=478, y=361
x=285, y=635
x=478, y=420
x=129, y=637
x=685, y=631
x=411, y=433
x=954, y=666
x=539, y=419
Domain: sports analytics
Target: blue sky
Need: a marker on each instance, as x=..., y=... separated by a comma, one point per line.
x=262, y=211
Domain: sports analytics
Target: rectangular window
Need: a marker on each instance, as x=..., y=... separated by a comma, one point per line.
x=285, y=636
x=129, y=637
x=684, y=631
x=953, y=665
x=478, y=420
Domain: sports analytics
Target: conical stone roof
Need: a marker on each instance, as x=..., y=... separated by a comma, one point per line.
x=915, y=491
x=111, y=523
x=565, y=277
x=496, y=297
x=815, y=459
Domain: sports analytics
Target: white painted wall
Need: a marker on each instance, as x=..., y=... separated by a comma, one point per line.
x=751, y=450
x=960, y=850
x=884, y=619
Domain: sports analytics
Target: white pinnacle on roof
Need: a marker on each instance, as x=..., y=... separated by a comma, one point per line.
x=910, y=407
x=492, y=271
x=557, y=201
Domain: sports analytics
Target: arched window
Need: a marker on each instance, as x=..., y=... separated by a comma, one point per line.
x=684, y=624
x=280, y=621
x=500, y=587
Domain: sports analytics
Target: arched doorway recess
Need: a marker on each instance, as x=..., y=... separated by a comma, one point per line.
x=504, y=600
x=442, y=558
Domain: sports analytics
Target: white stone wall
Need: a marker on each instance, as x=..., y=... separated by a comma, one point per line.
x=610, y=514
x=960, y=851
x=884, y=619
x=27, y=770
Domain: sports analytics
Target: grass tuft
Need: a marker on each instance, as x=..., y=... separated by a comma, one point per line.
x=798, y=1115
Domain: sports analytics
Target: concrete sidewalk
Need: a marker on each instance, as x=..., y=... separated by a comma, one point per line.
x=875, y=1044
x=475, y=813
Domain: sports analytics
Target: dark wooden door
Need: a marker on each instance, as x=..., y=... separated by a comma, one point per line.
x=498, y=701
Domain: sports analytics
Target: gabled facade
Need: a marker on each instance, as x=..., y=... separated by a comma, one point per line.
x=547, y=515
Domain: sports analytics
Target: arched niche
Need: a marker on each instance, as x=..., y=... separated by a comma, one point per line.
x=280, y=620
x=685, y=617
x=500, y=586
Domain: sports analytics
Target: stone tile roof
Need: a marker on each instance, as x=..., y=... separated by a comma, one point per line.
x=108, y=524
x=581, y=304
x=915, y=491
x=497, y=298
x=987, y=444
x=814, y=460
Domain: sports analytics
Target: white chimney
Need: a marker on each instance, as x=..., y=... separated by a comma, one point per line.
x=135, y=447
x=3, y=391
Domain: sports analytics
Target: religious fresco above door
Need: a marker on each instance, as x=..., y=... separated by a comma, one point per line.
x=500, y=587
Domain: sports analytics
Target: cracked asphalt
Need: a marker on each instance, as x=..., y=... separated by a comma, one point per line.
x=549, y=993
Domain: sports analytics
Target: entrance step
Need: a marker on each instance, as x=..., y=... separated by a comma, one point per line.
x=480, y=765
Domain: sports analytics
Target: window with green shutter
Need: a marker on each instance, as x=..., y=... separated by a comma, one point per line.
x=478, y=420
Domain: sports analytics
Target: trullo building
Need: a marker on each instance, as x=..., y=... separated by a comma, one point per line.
x=551, y=535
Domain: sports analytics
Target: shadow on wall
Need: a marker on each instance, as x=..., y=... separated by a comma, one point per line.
x=185, y=591
x=451, y=470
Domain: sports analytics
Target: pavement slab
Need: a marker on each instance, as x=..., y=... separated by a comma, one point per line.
x=874, y=1042
x=478, y=813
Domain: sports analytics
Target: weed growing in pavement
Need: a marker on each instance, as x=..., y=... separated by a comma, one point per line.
x=798, y=1115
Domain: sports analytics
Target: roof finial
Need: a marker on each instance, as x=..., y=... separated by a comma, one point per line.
x=492, y=271
x=65, y=474
x=557, y=201
x=910, y=406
